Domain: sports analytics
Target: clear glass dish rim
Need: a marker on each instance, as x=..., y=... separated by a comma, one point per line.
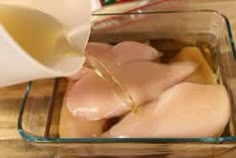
x=205, y=140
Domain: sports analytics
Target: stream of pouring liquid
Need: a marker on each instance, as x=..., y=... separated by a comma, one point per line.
x=103, y=71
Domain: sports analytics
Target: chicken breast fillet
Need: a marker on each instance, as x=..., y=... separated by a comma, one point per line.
x=186, y=110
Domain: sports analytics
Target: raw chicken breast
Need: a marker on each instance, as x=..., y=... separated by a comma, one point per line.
x=184, y=111
x=77, y=127
x=204, y=73
x=93, y=98
x=122, y=53
x=130, y=51
x=101, y=51
x=145, y=80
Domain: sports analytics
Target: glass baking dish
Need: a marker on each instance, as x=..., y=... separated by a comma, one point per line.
x=168, y=32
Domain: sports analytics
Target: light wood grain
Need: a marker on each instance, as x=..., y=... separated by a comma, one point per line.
x=10, y=102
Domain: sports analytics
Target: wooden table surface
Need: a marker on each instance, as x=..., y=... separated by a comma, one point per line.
x=12, y=145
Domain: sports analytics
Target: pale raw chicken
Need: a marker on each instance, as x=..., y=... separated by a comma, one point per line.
x=122, y=53
x=204, y=73
x=130, y=51
x=93, y=98
x=184, y=111
x=102, y=51
x=145, y=80
x=117, y=55
x=77, y=127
